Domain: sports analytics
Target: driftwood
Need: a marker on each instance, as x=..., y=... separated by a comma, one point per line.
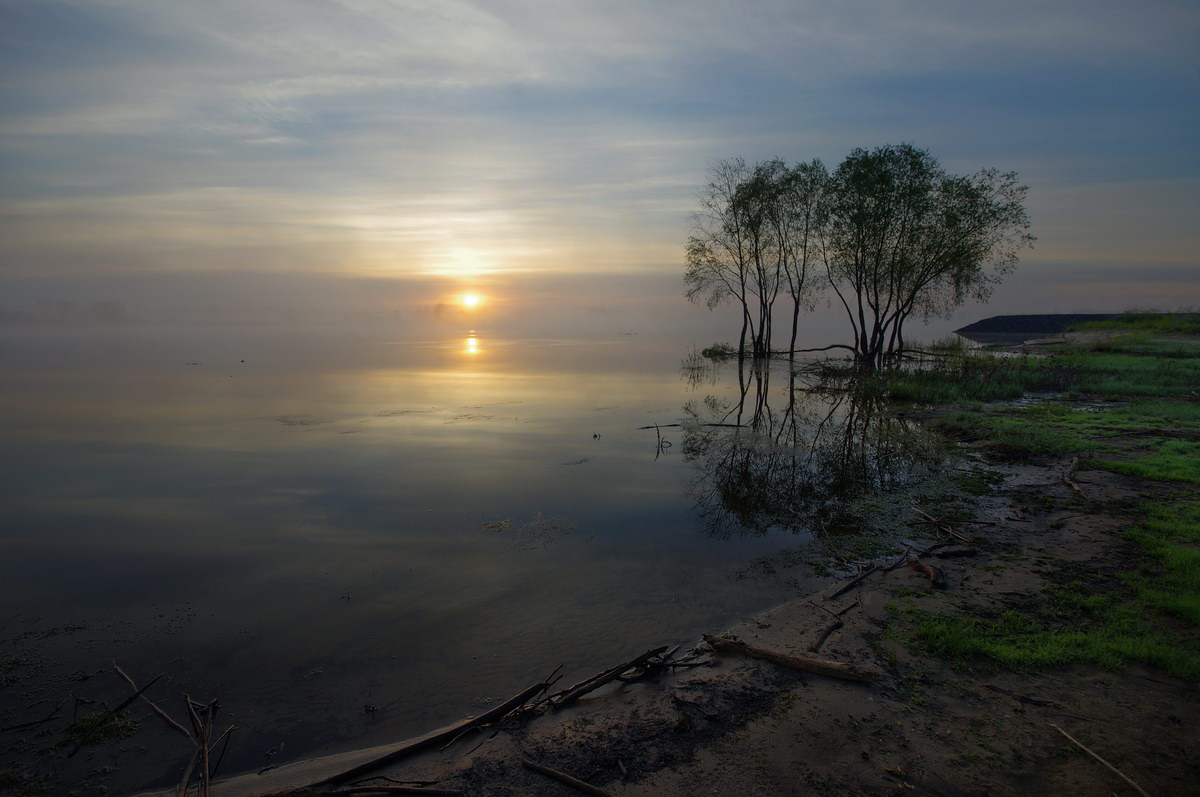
x=573, y=693
x=1068, y=477
x=937, y=578
x=1118, y=772
x=154, y=706
x=954, y=553
x=833, y=669
x=22, y=726
x=942, y=524
x=386, y=790
x=852, y=583
x=834, y=626
x=438, y=737
x=202, y=716
x=563, y=777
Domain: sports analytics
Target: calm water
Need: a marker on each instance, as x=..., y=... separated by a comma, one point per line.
x=304, y=524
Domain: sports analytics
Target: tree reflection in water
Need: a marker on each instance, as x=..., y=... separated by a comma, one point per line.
x=799, y=459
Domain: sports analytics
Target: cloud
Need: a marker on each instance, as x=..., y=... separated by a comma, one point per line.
x=457, y=138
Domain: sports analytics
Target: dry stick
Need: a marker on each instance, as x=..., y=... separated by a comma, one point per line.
x=435, y=738
x=835, y=625
x=852, y=583
x=834, y=669
x=1068, y=477
x=162, y=714
x=133, y=697
x=563, y=777
x=941, y=524
x=937, y=579
x=955, y=553
x=389, y=790
x=1119, y=773
x=35, y=723
x=227, y=734
x=573, y=693
x=903, y=558
x=201, y=727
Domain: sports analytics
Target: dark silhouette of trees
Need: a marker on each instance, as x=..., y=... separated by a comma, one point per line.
x=896, y=234
x=906, y=238
x=752, y=240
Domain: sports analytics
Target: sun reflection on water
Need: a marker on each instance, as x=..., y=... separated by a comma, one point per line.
x=472, y=343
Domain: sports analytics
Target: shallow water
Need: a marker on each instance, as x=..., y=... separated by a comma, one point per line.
x=306, y=525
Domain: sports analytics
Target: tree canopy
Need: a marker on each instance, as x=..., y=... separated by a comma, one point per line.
x=889, y=235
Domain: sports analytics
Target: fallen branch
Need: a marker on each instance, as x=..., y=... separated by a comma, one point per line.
x=1118, y=772
x=955, y=553
x=833, y=669
x=436, y=738
x=35, y=723
x=828, y=632
x=937, y=578
x=154, y=706
x=573, y=693
x=1068, y=477
x=563, y=777
x=388, y=790
x=942, y=524
x=852, y=583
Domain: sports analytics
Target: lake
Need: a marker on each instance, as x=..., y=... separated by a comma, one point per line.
x=351, y=539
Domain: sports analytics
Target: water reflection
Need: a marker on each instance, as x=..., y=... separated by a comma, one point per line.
x=796, y=457
x=471, y=343
x=302, y=525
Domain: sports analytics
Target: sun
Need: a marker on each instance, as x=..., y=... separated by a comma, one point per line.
x=471, y=300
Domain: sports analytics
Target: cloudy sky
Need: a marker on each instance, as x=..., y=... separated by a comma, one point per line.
x=421, y=148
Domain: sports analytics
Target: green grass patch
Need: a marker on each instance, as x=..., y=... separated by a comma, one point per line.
x=1076, y=626
x=1016, y=433
x=1169, y=580
x=1171, y=460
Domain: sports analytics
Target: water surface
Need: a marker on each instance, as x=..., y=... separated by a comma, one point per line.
x=309, y=525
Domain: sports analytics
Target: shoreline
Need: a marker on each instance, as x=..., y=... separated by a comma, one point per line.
x=749, y=726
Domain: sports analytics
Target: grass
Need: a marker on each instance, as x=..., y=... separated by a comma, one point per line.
x=1169, y=578
x=1015, y=435
x=1075, y=625
x=1171, y=460
x=1130, y=400
x=1149, y=321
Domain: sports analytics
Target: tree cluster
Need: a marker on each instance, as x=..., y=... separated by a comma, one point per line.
x=888, y=235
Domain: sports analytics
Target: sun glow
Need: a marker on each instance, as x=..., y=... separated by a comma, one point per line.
x=470, y=300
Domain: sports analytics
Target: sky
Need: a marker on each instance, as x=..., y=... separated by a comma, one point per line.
x=387, y=155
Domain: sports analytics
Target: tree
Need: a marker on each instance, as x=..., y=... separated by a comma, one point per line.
x=718, y=251
x=898, y=237
x=752, y=238
x=905, y=238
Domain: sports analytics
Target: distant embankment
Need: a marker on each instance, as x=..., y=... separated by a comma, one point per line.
x=1015, y=328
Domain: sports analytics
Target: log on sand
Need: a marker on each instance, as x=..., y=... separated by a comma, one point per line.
x=833, y=669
